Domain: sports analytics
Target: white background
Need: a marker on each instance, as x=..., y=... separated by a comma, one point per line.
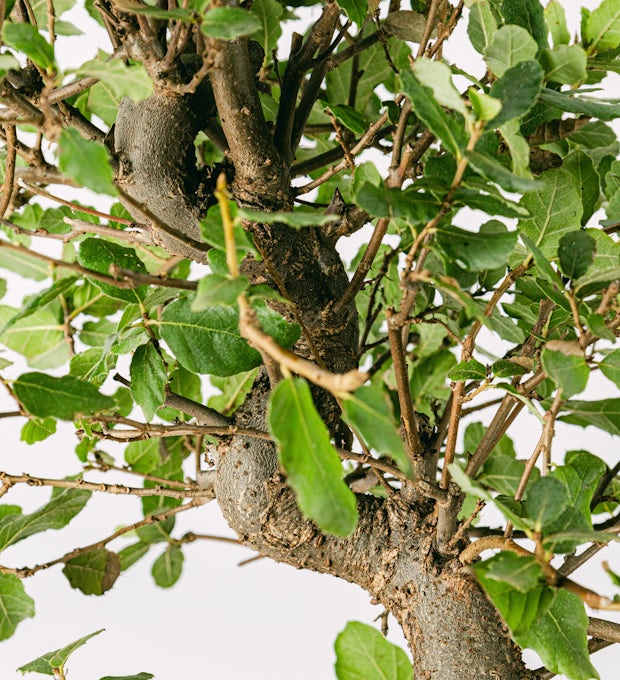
x=263, y=620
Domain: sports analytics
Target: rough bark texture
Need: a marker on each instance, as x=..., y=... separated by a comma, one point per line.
x=452, y=630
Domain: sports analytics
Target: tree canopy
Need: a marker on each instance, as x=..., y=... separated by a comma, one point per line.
x=316, y=281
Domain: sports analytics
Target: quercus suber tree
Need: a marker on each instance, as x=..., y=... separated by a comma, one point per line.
x=344, y=438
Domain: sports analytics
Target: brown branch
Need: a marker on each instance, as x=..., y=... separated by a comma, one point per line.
x=25, y=572
x=70, y=90
x=9, y=172
x=101, y=487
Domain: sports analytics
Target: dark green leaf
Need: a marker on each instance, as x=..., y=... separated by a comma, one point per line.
x=64, y=398
x=428, y=109
x=568, y=370
x=215, y=289
x=132, y=553
x=93, y=572
x=302, y=217
x=368, y=412
x=576, y=252
x=64, y=505
x=510, y=45
x=503, y=473
x=408, y=204
x=517, y=89
x=209, y=341
x=530, y=15
x=521, y=572
x=15, y=604
x=268, y=12
x=167, y=567
x=581, y=167
x=559, y=636
x=604, y=414
x=482, y=25
x=349, y=117
x=312, y=465
x=481, y=251
x=356, y=10
x=143, y=456
x=229, y=23
x=496, y=172
x=519, y=609
x=588, y=106
x=610, y=366
x=27, y=39
x=468, y=370
x=547, y=499
x=555, y=210
x=86, y=162
x=100, y=255
x=362, y=652
x=47, y=663
x=148, y=379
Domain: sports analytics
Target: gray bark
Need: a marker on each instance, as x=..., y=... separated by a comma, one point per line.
x=451, y=628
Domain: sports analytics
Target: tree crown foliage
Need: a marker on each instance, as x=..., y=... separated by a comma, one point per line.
x=208, y=141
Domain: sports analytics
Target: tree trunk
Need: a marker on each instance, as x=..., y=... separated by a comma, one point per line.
x=452, y=630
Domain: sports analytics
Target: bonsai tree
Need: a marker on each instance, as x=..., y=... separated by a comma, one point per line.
x=343, y=433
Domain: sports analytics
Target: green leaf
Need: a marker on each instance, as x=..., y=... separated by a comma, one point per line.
x=451, y=134
x=565, y=64
x=64, y=505
x=33, y=336
x=503, y=473
x=139, y=676
x=576, y=252
x=86, y=162
x=482, y=25
x=481, y=251
x=229, y=23
x=362, y=652
x=368, y=412
x=547, y=499
x=7, y=62
x=517, y=89
x=604, y=414
x=234, y=390
x=405, y=25
x=349, y=117
x=268, y=12
x=567, y=370
x=582, y=105
x=93, y=572
x=23, y=264
x=299, y=218
x=215, y=289
x=148, y=379
x=312, y=465
x=27, y=39
x=132, y=553
x=468, y=370
x=356, y=10
x=438, y=77
x=559, y=637
x=556, y=21
x=45, y=395
x=209, y=341
x=408, y=204
x=521, y=572
x=47, y=663
x=15, y=604
x=581, y=167
x=120, y=79
x=484, y=106
x=520, y=610
x=510, y=45
x=519, y=148
x=39, y=301
x=37, y=430
x=610, y=367
x=100, y=255
x=528, y=14
x=554, y=210
x=496, y=172
x=168, y=567
x=603, y=27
